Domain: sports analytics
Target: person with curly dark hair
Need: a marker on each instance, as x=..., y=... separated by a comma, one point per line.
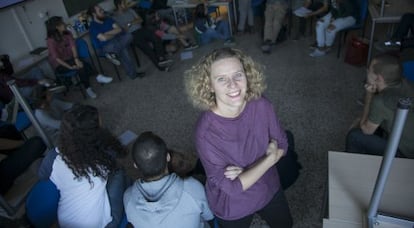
x=86, y=172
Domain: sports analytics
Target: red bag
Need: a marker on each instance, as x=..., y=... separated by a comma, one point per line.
x=357, y=52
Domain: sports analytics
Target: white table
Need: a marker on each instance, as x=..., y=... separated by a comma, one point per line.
x=351, y=183
x=190, y=4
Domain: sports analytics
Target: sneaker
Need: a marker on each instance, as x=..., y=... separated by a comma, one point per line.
x=190, y=47
x=229, y=42
x=313, y=46
x=57, y=89
x=266, y=46
x=112, y=57
x=391, y=43
x=165, y=63
x=317, y=53
x=103, y=79
x=140, y=74
x=91, y=93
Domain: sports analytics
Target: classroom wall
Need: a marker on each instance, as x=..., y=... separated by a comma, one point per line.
x=13, y=42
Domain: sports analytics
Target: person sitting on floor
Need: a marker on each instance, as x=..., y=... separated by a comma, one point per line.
x=168, y=32
x=17, y=155
x=49, y=111
x=160, y=199
x=84, y=169
x=384, y=87
x=63, y=54
x=209, y=29
x=342, y=14
x=110, y=38
x=143, y=38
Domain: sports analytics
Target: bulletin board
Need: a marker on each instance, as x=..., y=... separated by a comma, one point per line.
x=76, y=6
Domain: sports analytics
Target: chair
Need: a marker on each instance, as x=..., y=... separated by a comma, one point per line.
x=363, y=7
x=66, y=80
x=408, y=70
x=42, y=204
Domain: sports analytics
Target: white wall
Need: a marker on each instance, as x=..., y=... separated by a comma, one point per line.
x=12, y=38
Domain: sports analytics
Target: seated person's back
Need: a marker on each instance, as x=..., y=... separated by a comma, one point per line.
x=160, y=199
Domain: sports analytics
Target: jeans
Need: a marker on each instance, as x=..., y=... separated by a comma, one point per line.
x=117, y=183
x=119, y=45
x=358, y=142
x=325, y=37
x=274, y=15
x=276, y=213
x=222, y=31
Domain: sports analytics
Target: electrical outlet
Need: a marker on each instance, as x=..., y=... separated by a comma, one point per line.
x=43, y=14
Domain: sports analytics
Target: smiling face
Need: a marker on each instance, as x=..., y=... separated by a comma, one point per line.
x=229, y=84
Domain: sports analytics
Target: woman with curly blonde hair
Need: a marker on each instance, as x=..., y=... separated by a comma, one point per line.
x=238, y=139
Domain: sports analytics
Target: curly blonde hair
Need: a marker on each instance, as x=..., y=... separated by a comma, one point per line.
x=198, y=83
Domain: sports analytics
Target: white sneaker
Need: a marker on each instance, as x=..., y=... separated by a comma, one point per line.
x=113, y=58
x=317, y=53
x=103, y=79
x=91, y=93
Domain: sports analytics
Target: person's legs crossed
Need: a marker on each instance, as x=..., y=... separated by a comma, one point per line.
x=320, y=29
x=119, y=46
x=339, y=24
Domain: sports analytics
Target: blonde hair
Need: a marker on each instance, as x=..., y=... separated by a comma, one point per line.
x=198, y=83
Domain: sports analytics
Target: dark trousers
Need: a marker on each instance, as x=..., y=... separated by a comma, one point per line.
x=84, y=72
x=18, y=161
x=276, y=213
x=150, y=44
x=406, y=23
x=358, y=142
x=117, y=183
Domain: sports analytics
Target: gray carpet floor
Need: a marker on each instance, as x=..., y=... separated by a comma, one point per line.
x=315, y=98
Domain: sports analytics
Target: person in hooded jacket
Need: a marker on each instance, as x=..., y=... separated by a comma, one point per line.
x=162, y=199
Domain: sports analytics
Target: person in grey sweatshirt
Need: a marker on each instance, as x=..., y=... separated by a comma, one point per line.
x=160, y=198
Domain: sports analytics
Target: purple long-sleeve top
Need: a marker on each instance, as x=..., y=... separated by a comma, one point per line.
x=239, y=141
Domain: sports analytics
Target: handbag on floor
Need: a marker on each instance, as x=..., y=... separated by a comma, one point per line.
x=357, y=52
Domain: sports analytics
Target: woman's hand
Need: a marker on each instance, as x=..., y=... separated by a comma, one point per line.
x=273, y=151
x=232, y=172
x=78, y=63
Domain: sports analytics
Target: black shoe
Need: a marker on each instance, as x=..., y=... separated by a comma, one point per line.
x=140, y=74
x=165, y=63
